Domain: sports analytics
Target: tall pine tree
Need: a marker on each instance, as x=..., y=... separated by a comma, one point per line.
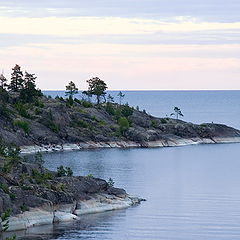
x=16, y=84
x=29, y=91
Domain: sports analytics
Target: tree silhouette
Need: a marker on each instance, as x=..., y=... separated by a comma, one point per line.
x=110, y=99
x=16, y=84
x=29, y=91
x=177, y=112
x=71, y=90
x=97, y=87
x=121, y=96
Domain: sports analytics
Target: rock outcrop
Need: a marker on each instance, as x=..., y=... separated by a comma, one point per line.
x=37, y=196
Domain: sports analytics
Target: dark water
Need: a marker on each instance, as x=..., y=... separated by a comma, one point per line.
x=192, y=192
x=197, y=106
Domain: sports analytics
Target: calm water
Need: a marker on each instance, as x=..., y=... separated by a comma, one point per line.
x=197, y=106
x=192, y=192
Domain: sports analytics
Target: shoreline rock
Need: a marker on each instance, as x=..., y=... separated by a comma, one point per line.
x=34, y=196
x=69, y=212
x=126, y=144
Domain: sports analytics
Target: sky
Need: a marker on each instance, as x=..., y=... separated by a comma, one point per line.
x=130, y=44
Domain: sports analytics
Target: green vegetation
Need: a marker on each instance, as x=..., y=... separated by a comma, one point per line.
x=126, y=110
x=14, y=237
x=164, y=121
x=121, y=96
x=110, y=182
x=97, y=87
x=5, y=219
x=41, y=178
x=4, y=111
x=62, y=171
x=5, y=188
x=123, y=124
x=71, y=90
x=16, y=84
x=38, y=159
x=154, y=123
x=5, y=223
x=110, y=99
x=59, y=187
x=24, y=208
x=86, y=104
x=22, y=124
x=10, y=153
x=22, y=109
x=110, y=109
x=79, y=123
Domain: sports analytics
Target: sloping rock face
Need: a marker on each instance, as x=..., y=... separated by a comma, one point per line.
x=37, y=196
x=55, y=123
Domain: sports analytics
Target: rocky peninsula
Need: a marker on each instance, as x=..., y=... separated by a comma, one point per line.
x=54, y=125
x=32, y=196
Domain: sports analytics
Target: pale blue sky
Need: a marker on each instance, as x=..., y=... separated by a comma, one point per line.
x=131, y=44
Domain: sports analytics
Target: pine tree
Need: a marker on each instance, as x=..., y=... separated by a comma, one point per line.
x=110, y=98
x=3, y=81
x=121, y=96
x=29, y=81
x=97, y=87
x=16, y=84
x=177, y=113
x=71, y=90
x=29, y=91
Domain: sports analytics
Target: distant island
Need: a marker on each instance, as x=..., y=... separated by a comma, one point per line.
x=30, y=122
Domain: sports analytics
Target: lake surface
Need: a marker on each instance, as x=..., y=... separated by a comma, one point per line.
x=192, y=192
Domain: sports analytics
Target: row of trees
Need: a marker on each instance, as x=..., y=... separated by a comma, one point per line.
x=96, y=87
x=23, y=84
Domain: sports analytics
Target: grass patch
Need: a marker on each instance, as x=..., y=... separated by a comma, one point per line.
x=22, y=124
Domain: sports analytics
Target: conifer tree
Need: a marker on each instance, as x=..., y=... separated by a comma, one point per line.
x=97, y=87
x=29, y=91
x=110, y=98
x=71, y=90
x=16, y=84
x=177, y=113
x=121, y=96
